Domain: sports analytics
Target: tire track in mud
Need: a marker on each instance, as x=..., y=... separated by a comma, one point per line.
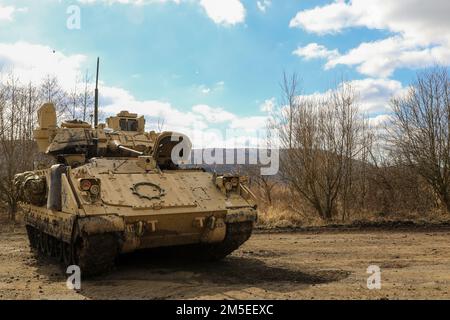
x=330, y=265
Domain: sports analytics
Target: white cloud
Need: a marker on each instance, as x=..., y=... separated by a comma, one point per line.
x=373, y=94
x=413, y=18
x=7, y=12
x=379, y=121
x=132, y=2
x=263, y=5
x=205, y=125
x=382, y=58
x=249, y=123
x=314, y=50
x=31, y=63
x=421, y=32
x=229, y=12
x=327, y=19
x=213, y=115
x=268, y=105
x=114, y=100
x=204, y=89
x=202, y=120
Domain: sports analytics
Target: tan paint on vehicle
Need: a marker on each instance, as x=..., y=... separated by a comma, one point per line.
x=117, y=185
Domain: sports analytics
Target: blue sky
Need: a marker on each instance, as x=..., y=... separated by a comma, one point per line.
x=201, y=58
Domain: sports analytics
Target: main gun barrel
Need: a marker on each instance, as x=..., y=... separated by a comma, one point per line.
x=131, y=150
x=115, y=145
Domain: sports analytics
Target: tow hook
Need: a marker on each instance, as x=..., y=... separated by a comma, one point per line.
x=212, y=223
x=139, y=229
x=215, y=230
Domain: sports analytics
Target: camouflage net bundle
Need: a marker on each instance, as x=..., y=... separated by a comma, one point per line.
x=32, y=188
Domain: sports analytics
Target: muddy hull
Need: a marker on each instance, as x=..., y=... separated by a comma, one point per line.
x=93, y=242
x=155, y=231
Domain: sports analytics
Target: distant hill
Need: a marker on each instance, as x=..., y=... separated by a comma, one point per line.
x=229, y=161
x=244, y=167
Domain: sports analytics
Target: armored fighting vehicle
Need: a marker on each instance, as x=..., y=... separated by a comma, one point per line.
x=114, y=188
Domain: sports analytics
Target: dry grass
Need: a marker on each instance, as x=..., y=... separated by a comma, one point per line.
x=276, y=217
x=282, y=217
x=289, y=211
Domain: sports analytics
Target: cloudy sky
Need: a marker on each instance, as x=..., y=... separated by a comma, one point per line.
x=203, y=64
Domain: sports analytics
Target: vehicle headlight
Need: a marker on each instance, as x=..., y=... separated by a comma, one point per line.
x=85, y=184
x=95, y=189
x=90, y=185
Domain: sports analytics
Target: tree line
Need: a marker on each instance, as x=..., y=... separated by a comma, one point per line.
x=335, y=164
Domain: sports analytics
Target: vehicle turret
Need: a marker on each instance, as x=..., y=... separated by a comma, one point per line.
x=75, y=142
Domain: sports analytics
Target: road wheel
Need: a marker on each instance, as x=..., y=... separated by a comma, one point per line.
x=41, y=242
x=95, y=254
x=32, y=237
x=66, y=254
x=48, y=245
x=58, y=250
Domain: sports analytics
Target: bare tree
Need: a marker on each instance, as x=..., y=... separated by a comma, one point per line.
x=17, y=108
x=266, y=185
x=263, y=185
x=87, y=96
x=290, y=89
x=161, y=123
x=51, y=91
x=74, y=102
x=323, y=136
x=420, y=129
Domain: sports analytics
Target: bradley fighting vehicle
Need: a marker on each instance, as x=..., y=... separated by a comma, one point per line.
x=115, y=188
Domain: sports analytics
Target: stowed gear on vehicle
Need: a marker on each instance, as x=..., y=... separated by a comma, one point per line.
x=115, y=189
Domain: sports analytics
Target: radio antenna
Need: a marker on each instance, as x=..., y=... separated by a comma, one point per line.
x=96, y=96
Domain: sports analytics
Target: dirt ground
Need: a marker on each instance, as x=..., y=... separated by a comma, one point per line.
x=415, y=264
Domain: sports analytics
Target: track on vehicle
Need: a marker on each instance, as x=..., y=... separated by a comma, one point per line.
x=236, y=235
x=96, y=254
